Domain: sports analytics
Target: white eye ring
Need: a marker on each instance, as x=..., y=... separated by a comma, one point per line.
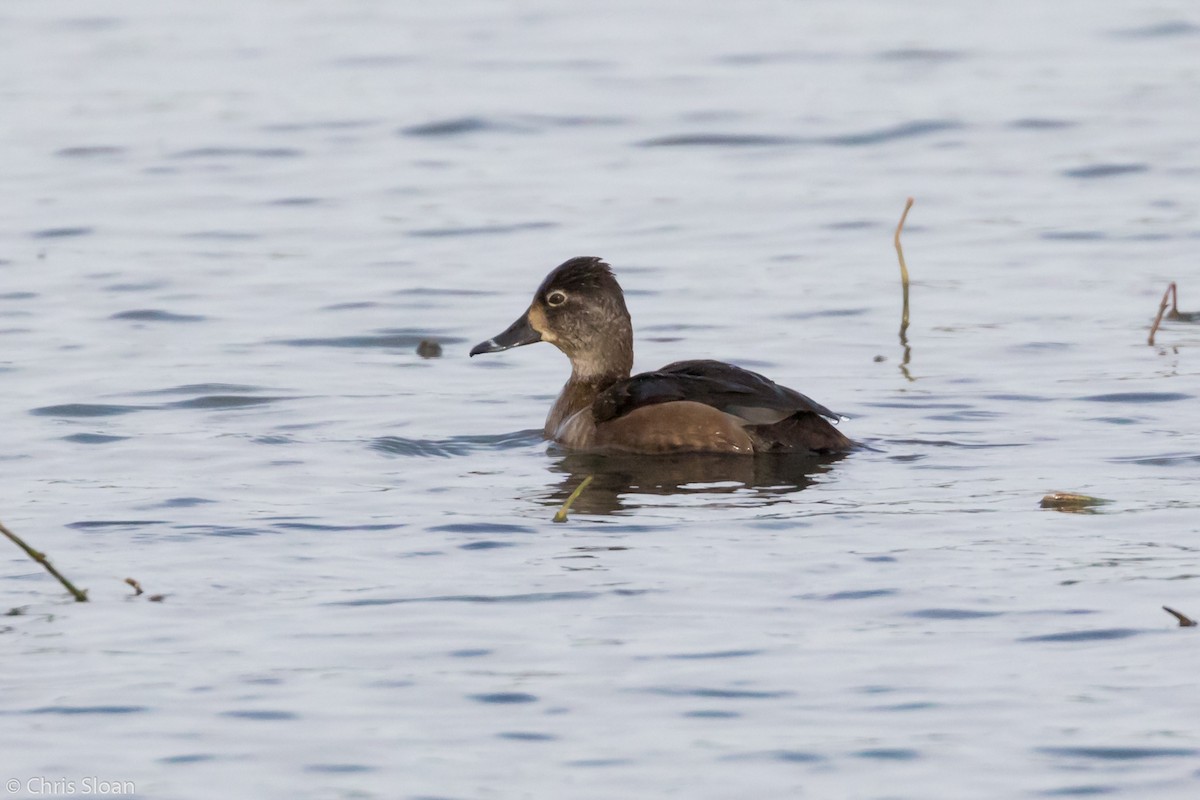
x=556, y=298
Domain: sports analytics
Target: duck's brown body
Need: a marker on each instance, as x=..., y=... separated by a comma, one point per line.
x=688, y=406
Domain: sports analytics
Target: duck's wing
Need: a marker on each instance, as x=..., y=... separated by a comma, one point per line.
x=740, y=392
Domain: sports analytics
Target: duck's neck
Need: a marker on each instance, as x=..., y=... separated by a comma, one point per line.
x=591, y=374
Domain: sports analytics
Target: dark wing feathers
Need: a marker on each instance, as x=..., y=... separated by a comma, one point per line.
x=737, y=391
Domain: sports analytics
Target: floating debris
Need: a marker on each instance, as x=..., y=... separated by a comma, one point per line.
x=80, y=596
x=1072, y=503
x=137, y=591
x=428, y=348
x=561, y=514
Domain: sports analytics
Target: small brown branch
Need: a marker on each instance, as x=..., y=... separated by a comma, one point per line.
x=1184, y=620
x=561, y=514
x=80, y=596
x=1162, y=309
x=137, y=587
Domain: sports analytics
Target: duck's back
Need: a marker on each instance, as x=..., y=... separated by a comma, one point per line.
x=773, y=418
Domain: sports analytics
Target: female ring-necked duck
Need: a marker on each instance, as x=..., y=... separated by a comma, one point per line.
x=689, y=406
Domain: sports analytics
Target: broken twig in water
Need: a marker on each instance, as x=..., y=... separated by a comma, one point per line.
x=80, y=596
x=1184, y=620
x=1174, y=314
x=561, y=514
x=1173, y=293
x=137, y=587
x=904, y=289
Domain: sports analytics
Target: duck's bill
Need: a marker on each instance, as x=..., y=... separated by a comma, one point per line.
x=518, y=334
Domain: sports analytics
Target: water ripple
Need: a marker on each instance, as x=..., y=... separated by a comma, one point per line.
x=339, y=769
x=261, y=716
x=156, y=315
x=719, y=140
x=93, y=438
x=857, y=594
x=100, y=524
x=80, y=710
x=889, y=754
x=788, y=756
x=61, y=233
x=89, y=151
x=504, y=698
x=1137, y=397
x=1104, y=170
x=481, y=527
x=85, y=410
x=1097, y=635
x=402, y=339
x=711, y=713
x=922, y=55
x=1041, y=124
x=1165, y=460
x=224, y=401
x=482, y=230
x=718, y=694
x=951, y=613
x=719, y=654
x=905, y=130
x=187, y=758
x=205, y=388
x=527, y=736
x=530, y=597
x=455, y=445
x=1160, y=30
x=1119, y=753
x=238, y=152
x=309, y=526
x=458, y=127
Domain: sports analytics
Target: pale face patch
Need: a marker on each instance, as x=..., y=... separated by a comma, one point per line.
x=538, y=321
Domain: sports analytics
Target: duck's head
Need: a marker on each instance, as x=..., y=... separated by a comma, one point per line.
x=580, y=309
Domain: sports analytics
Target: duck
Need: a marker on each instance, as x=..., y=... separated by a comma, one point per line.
x=696, y=406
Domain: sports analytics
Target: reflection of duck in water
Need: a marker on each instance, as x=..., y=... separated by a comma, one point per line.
x=618, y=478
x=685, y=407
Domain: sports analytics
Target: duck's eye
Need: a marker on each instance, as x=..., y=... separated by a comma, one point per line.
x=556, y=298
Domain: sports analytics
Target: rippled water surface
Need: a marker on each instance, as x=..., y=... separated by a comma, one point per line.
x=226, y=228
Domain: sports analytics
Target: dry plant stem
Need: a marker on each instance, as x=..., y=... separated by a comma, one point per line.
x=561, y=514
x=1162, y=309
x=908, y=204
x=80, y=596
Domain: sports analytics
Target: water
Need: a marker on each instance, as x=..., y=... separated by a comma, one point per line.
x=227, y=228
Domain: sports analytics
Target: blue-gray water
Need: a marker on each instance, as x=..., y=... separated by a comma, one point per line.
x=225, y=227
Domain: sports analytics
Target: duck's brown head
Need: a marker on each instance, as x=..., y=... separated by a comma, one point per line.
x=580, y=309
